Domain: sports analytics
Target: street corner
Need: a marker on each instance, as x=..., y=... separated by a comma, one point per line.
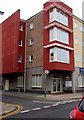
x=9, y=110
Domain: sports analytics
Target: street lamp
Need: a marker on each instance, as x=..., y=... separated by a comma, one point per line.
x=1, y=13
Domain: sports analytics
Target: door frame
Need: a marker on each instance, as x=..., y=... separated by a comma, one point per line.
x=60, y=84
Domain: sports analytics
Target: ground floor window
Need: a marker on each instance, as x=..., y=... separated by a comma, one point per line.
x=81, y=80
x=36, y=80
x=19, y=81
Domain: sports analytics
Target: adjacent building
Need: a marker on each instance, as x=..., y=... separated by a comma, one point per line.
x=43, y=53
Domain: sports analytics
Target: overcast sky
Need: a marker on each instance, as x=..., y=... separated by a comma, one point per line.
x=31, y=7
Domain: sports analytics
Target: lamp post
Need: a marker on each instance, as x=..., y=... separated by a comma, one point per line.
x=1, y=13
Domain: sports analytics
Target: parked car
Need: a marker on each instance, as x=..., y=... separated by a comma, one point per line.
x=78, y=112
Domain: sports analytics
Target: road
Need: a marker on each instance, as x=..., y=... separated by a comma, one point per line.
x=37, y=108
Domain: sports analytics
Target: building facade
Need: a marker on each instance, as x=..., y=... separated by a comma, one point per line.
x=78, y=74
x=42, y=53
x=13, y=48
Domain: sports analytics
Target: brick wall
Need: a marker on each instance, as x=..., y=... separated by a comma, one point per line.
x=37, y=34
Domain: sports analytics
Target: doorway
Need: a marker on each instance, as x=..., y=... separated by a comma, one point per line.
x=6, y=84
x=56, y=83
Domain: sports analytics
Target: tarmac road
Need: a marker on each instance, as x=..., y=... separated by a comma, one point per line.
x=36, y=108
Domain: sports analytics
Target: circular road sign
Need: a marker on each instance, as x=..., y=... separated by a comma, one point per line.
x=46, y=72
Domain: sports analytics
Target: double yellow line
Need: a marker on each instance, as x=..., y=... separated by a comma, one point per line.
x=18, y=109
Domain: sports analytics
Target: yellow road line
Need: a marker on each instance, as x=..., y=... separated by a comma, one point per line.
x=19, y=108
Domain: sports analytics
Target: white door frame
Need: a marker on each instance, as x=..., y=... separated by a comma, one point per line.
x=6, y=84
x=60, y=85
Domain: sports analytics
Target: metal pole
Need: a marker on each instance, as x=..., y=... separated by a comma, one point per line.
x=45, y=85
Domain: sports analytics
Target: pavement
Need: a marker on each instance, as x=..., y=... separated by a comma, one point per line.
x=7, y=109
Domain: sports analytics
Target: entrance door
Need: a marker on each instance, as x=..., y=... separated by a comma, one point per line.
x=56, y=84
x=7, y=85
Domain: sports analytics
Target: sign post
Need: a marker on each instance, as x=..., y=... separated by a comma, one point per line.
x=46, y=73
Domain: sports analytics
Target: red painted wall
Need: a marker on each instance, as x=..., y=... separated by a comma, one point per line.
x=0, y=48
x=22, y=48
x=57, y=65
x=11, y=50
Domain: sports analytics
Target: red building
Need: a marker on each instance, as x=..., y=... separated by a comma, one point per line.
x=13, y=49
x=48, y=45
x=58, y=55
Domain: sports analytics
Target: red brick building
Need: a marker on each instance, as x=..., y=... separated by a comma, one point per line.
x=13, y=49
x=43, y=42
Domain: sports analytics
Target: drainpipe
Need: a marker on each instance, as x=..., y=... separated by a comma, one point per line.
x=25, y=62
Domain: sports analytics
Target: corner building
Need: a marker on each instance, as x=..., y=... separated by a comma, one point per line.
x=50, y=46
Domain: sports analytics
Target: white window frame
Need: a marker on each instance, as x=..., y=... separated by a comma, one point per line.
x=21, y=43
x=75, y=25
x=20, y=58
x=31, y=42
x=77, y=57
x=76, y=40
x=64, y=58
x=59, y=35
x=37, y=81
x=21, y=27
x=82, y=28
x=83, y=59
x=80, y=80
x=30, y=58
x=59, y=16
x=31, y=25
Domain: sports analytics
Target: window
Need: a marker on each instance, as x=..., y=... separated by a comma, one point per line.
x=82, y=28
x=76, y=40
x=52, y=55
x=57, y=15
x=77, y=57
x=20, y=58
x=21, y=27
x=59, y=35
x=51, y=15
x=31, y=25
x=75, y=25
x=83, y=59
x=62, y=17
x=30, y=58
x=83, y=43
x=31, y=42
x=20, y=42
x=37, y=81
x=19, y=81
x=59, y=55
x=81, y=81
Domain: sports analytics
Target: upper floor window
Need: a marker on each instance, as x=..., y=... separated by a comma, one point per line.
x=31, y=25
x=57, y=15
x=30, y=58
x=20, y=58
x=31, y=42
x=59, y=55
x=59, y=35
x=83, y=43
x=75, y=25
x=77, y=57
x=83, y=59
x=62, y=17
x=21, y=27
x=76, y=40
x=20, y=42
x=82, y=28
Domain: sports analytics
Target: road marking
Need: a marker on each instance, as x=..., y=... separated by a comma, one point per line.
x=36, y=109
x=46, y=106
x=43, y=102
x=25, y=111
x=58, y=103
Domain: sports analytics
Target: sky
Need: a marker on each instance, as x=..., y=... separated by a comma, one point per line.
x=30, y=7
